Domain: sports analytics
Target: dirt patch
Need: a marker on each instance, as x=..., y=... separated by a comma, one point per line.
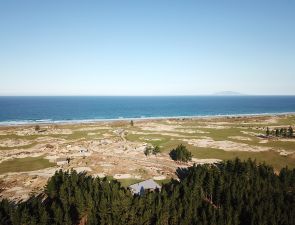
x=122, y=176
x=240, y=138
x=205, y=161
x=190, y=131
x=161, y=133
x=82, y=169
x=225, y=145
x=159, y=177
x=159, y=127
x=10, y=143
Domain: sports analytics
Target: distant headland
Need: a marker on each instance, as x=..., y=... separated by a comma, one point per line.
x=228, y=93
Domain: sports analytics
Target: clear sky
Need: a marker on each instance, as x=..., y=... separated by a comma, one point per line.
x=122, y=47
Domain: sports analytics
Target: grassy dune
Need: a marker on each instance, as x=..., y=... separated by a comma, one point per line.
x=236, y=127
x=167, y=140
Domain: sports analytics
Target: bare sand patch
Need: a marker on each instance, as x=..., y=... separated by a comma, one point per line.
x=82, y=169
x=205, y=161
x=159, y=133
x=213, y=126
x=285, y=153
x=10, y=143
x=106, y=164
x=288, y=140
x=190, y=131
x=46, y=130
x=92, y=128
x=162, y=177
x=150, y=139
x=122, y=176
x=14, y=189
x=240, y=138
x=100, y=175
x=158, y=127
x=199, y=131
x=225, y=145
x=221, y=123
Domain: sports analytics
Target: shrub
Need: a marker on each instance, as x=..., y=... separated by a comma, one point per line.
x=156, y=150
x=37, y=127
x=148, y=150
x=152, y=150
x=181, y=154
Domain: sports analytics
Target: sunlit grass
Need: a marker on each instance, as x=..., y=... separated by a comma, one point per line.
x=25, y=164
x=129, y=181
x=270, y=157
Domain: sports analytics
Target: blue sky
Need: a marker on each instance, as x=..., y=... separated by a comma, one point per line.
x=146, y=47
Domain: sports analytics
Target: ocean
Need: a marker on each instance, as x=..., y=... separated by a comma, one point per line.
x=23, y=110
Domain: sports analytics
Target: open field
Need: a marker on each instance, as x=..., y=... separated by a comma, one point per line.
x=116, y=149
x=25, y=164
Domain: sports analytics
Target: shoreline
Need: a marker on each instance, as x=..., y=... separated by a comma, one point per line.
x=94, y=121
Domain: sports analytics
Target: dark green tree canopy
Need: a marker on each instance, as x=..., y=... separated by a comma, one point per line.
x=180, y=153
x=232, y=192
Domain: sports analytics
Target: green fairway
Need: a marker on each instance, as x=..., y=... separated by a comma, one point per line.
x=24, y=164
x=270, y=157
x=129, y=181
x=167, y=142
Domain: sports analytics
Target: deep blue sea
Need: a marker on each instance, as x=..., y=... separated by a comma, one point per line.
x=20, y=110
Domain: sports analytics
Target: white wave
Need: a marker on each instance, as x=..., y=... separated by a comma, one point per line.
x=72, y=121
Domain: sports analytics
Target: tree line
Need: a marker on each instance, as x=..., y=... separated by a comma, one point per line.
x=232, y=192
x=280, y=132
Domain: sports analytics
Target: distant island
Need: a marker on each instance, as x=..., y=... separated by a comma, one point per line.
x=228, y=93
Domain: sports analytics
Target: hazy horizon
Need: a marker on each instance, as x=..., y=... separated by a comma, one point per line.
x=153, y=48
x=192, y=95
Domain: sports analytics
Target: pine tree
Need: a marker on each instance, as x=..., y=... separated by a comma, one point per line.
x=232, y=192
x=267, y=131
x=180, y=153
x=277, y=133
x=290, y=132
